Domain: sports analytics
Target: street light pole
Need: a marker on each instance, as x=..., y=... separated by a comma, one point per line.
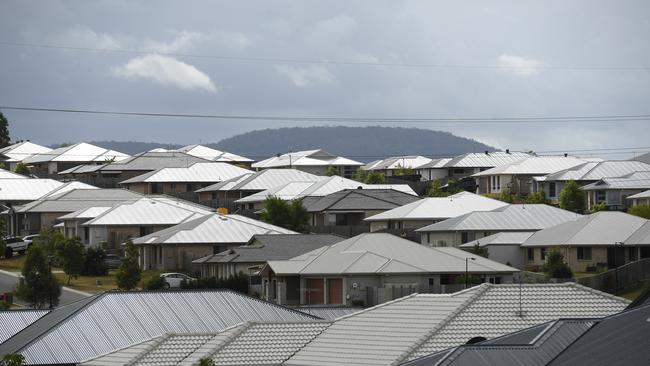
x=616, y=245
x=466, y=270
x=50, y=258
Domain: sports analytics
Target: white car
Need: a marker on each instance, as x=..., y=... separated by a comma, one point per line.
x=29, y=239
x=14, y=244
x=173, y=280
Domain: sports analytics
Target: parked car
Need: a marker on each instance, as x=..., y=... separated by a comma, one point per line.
x=15, y=244
x=173, y=280
x=29, y=239
x=112, y=261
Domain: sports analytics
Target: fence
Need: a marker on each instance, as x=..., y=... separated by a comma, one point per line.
x=344, y=231
x=618, y=279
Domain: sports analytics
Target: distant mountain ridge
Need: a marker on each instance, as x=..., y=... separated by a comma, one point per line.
x=359, y=143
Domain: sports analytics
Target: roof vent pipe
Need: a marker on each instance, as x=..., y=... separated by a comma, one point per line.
x=507, y=151
x=486, y=152
x=565, y=155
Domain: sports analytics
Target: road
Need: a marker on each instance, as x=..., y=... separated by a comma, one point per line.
x=8, y=281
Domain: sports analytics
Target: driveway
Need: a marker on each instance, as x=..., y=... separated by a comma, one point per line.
x=8, y=280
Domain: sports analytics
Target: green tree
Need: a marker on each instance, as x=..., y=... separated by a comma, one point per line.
x=331, y=171
x=206, y=361
x=402, y=171
x=555, y=267
x=287, y=214
x=435, y=191
x=38, y=286
x=5, y=140
x=51, y=240
x=71, y=257
x=13, y=359
x=536, y=197
x=129, y=273
x=572, y=197
x=505, y=195
x=640, y=210
x=23, y=169
x=479, y=250
x=360, y=175
x=375, y=178
x=94, y=262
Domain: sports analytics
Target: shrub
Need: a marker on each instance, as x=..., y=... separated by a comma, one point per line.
x=536, y=197
x=572, y=197
x=640, y=210
x=555, y=266
x=94, y=264
x=155, y=283
x=238, y=282
x=601, y=206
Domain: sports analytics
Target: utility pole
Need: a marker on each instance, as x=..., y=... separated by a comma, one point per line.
x=466, y=270
x=616, y=245
x=50, y=258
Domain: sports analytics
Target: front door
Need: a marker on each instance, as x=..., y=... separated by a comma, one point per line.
x=314, y=293
x=335, y=291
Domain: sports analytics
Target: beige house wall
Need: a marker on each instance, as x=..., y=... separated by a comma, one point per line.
x=598, y=255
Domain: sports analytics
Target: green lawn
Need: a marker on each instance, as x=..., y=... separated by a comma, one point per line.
x=13, y=264
x=89, y=283
x=635, y=292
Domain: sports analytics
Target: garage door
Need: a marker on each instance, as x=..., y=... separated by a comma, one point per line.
x=334, y=291
x=314, y=293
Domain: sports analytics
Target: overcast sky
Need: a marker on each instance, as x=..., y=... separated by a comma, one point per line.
x=523, y=49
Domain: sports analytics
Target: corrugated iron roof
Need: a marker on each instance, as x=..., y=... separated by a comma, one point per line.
x=197, y=172
x=644, y=194
x=434, y=208
x=13, y=321
x=211, y=154
x=305, y=158
x=381, y=253
x=77, y=153
x=483, y=160
x=534, y=165
x=601, y=228
x=76, y=199
x=360, y=199
x=520, y=217
x=504, y=238
x=22, y=150
x=85, y=213
x=26, y=189
x=212, y=228
x=636, y=180
x=113, y=320
x=151, y=210
x=262, y=180
x=435, y=164
x=599, y=170
x=396, y=162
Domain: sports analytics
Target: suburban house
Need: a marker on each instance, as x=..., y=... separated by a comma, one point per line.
x=373, y=268
x=35, y=216
x=405, y=219
x=468, y=164
x=397, y=332
x=590, y=172
x=503, y=247
x=518, y=177
x=52, y=162
x=72, y=222
x=390, y=166
x=138, y=217
x=613, y=340
x=343, y=212
x=224, y=194
x=110, y=174
x=642, y=198
x=184, y=179
x=420, y=324
x=211, y=154
x=16, y=189
x=312, y=161
x=475, y=225
x=13, y=154
x=252, y=256
x=113, y=320
x=614, y=191
x=433, y=170
x=323, y=187
x=176, y=247
x=597, y=240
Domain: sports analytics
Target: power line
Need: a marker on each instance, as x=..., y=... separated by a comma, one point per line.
x=331, y=62
x=563, y=119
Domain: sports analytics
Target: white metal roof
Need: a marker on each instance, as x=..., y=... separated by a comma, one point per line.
x=262, y=180
x=434, y=208
x=197, y=172
x=485, y=160
x=636, y=180
x=396, y=162
x=520, y=217
x=381, y=253
x=420, y=324
x=209, y=153
x=305, y=158
x=6, y=174
x=81, y=152
x=644, y=194
x=156, y=210
x=599, y=170
x=85, y=213
x=320, y=188
x=601, y=228
x=13, y=321
x=22, y=150
x=435, y=164
x=504, y=238
x=534, y=165
x=213, y=228
x=26, y=189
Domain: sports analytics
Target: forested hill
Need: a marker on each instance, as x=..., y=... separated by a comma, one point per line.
x=360, y=143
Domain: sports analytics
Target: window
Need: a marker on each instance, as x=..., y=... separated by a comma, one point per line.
x=459, y=171
x=446, y=279
x=464, y=237
x=188, y=187
x=631, y=254
x=551, y=189
x=601, y=196
x=584, y=253
x=542, y=253
x=530, y=254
